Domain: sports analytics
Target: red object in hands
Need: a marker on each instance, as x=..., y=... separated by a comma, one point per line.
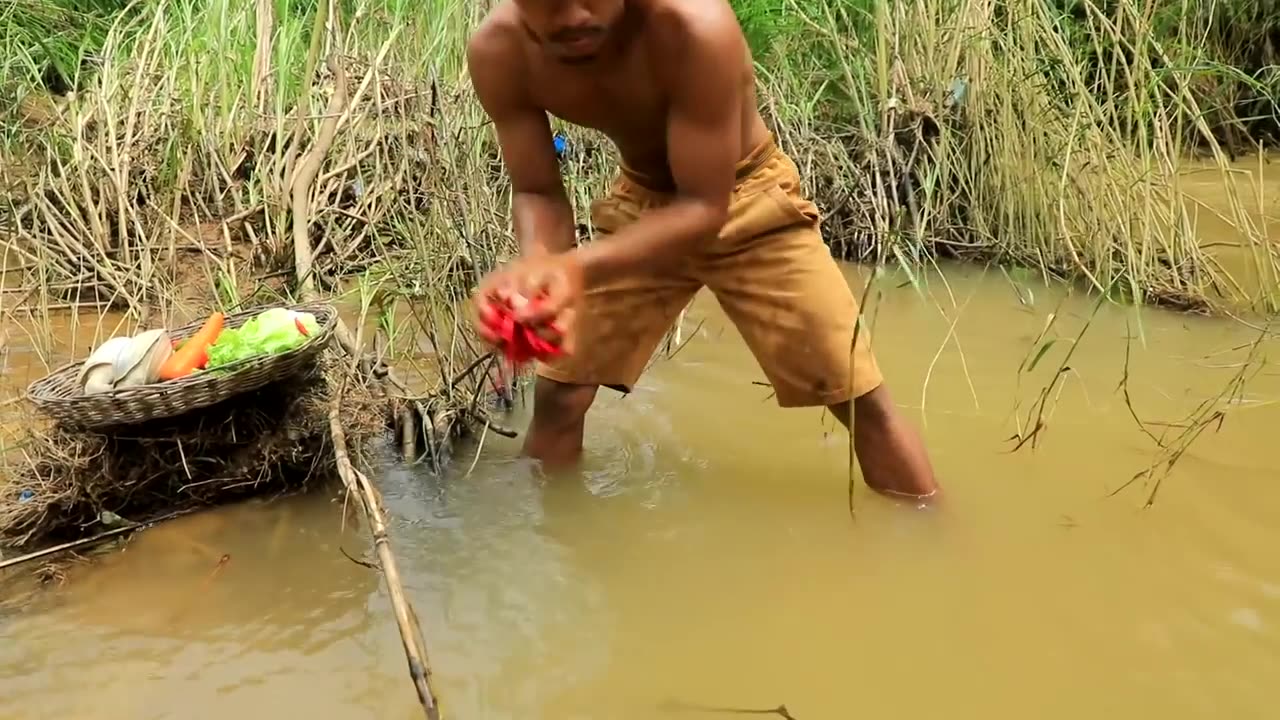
x=519, y=342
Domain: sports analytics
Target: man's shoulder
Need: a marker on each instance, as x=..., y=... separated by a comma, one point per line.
x=494, y=57
x=497, y=37
x=680, y=27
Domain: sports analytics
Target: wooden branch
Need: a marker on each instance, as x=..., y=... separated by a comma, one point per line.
x=483, y=418
x=304, y=103
x=359, y=485
x=408, y=435
x=307, y=172
x=300, y=185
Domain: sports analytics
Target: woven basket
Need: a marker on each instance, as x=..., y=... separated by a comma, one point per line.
x=59, y=396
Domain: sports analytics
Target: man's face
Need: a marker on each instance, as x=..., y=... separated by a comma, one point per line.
x=571, y=31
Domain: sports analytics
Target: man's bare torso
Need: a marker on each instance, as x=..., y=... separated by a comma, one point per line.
x=624, y=93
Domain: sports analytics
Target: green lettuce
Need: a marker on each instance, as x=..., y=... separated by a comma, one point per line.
x=271, y=332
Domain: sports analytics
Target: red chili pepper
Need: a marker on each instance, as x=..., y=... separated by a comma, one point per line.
x=519, y=342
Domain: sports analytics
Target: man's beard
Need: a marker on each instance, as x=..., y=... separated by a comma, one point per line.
x=576, y=60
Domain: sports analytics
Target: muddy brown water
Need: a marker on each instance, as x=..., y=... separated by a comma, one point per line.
x=704, y=555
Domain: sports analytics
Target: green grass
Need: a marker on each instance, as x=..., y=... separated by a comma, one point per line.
x=49, y=42
x=1044, y=135
x=1065, y=151
x=177, y=164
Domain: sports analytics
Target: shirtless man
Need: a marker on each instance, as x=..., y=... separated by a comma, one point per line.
x=703, y=197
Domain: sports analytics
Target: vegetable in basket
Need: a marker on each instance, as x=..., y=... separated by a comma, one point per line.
x=270, y=332
x=194, y=352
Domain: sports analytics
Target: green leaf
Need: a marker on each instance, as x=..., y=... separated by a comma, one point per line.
x=1041, y=353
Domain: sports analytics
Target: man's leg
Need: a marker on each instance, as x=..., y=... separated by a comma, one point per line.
x=776, y=279
x=619, y=325
x=559, y=412
x=890, y=451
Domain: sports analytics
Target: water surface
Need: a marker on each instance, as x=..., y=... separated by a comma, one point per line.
x=705, y=554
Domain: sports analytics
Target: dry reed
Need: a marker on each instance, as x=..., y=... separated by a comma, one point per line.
x=1009, y=131
x=979, y=130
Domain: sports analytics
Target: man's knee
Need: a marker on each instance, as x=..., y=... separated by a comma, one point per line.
x=561, y=404
x=872, y=407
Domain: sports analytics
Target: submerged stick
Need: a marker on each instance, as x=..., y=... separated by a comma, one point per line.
x=85, y=542
x=679, y=706
x=300, y=184
x=359, y=485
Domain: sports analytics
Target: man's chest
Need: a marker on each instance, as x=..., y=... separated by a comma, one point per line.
x=626, y=102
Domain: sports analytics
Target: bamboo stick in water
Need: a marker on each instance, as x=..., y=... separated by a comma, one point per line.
x=358, y=484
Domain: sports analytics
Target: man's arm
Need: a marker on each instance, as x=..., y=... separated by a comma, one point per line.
x=541, y=213
x=705, y=64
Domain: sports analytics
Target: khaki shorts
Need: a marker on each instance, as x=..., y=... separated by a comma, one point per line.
x=768, y=268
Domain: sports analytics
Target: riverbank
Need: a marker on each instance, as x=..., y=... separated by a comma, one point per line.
x=1042, y=135
x=151, y=196
x=1038, y=138
x=327, y=150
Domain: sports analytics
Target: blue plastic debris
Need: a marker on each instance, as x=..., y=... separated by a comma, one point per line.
x=26, y=496
x=561, y=144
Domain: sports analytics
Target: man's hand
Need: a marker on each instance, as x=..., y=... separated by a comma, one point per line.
x=544, y=291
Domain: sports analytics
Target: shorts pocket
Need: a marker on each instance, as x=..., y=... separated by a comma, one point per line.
x=613, y=212
x=797, y=209
x=787, y=190
x=607, y=216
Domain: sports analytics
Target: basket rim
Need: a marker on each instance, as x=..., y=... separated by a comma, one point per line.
x=230, y=370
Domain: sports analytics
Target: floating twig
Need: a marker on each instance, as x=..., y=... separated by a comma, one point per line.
x=361, y=563
x=680, y=706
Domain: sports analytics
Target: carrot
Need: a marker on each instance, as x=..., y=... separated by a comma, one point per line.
x=195, y=351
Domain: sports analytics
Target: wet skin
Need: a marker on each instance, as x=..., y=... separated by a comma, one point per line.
x=671, y=83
